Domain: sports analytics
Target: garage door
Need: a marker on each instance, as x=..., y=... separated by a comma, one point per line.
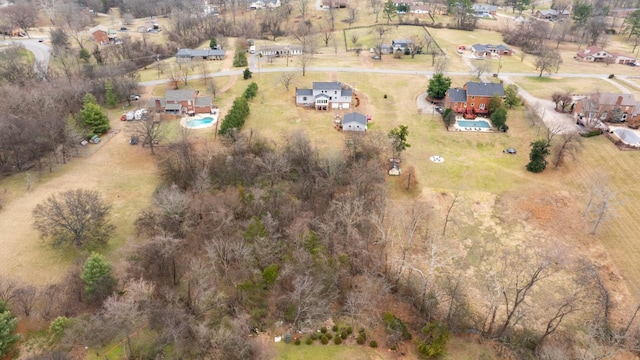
x=335, y=105
x=345, y=105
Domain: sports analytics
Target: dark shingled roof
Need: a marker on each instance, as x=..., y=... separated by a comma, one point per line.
x=304, y=92
x=327, y=85
x=180, y=95
x=457, y=95
x=484, y=89
x=355, y=117
x=204, y=101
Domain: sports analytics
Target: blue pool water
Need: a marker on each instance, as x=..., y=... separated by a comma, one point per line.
x=473, y=124
x=196, y=123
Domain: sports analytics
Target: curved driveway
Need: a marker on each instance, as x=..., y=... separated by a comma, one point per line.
x=41, y=52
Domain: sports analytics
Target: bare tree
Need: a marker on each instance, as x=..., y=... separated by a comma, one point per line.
x=325, y=35
x=7, y=289
x=353, y=14
x=482, y=67
x=25, y=298
x=22, y=15
x=568, y=146
x=549, y=61
x=150, y=129
x=285, y=79
x=455, y=201
x=75, y=217
x=376, y=7
x=303, y=6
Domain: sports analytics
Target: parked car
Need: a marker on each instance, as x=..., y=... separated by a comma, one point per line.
x=134, y=140
x=140, y=114
x=95, y=139
x=40, y=40
x=134, y=97
x=439, y=109
x=511, y=151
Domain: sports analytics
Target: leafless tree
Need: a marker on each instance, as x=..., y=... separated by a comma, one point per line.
x=569, y=145
x=303, y=6
x=150, y=129
x=549, y=61
x=455, y=201
x=376, y=7
x=285, y=79
x=7, y=289
x=353, y=14
x=325, y=35
x=51, y=296
x=380, y=31
x=441, y=65
x=25, y=299
x=22, y=15
x=482, y=67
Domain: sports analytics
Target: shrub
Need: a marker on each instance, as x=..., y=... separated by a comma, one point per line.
x=343, y=334
x=436, y=337
x=296, y=342
x=373, y=344
x=349, y=330
x=337, y=340
x=287, y=338
x=247, y=74
x=324, y=340
x=309, y=341
x=335, y=328
x=323, y=330
x=393, y=347
x=361, y=339
x=313, y=336
x=393, y=323
x=385, y=96
x=592, y=133
x=328, y=335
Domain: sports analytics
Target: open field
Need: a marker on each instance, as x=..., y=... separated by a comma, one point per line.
x=543, y=87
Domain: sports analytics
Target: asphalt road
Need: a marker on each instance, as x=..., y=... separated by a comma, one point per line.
x=41, y=51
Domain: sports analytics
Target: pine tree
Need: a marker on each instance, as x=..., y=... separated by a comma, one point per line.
x=97, y=277
x=110, y=95
x=538, y=156
x=8, y=325
x=92, y=117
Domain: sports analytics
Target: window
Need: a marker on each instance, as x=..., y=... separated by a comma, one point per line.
x=304, y=98
x=335, y=92
x=482, y=106
x=473, y=98
x=472, y=104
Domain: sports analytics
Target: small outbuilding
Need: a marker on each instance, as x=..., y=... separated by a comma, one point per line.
x=354, y=122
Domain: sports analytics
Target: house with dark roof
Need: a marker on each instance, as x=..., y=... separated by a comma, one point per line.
x=597, y=54
x=401, y=44
x=600, y=106
x=180, y=102
x=325, y=96
x=485, y=50
x=552, y=14
x=473, y=98
x=484, y=10
x=186, y=55
x=354, y=122
x=280, y=50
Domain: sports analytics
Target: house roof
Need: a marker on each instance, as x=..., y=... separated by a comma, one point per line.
x=489, y=47
x=401, y=42
x=304, y=92
x=484, y=89
x=200, y=52
x=173, y=106
x=180, y=95
x=336, y=85
x=591, y=50
x=355, y=117
x=347, y=92
x=553, y=12
x=457, y=94
x=98, y=28
x=612, y=99
x=152, y=102
x=484, y=7
x=204, y=101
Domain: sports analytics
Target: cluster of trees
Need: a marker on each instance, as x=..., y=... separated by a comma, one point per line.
x=234, y=120
x=497, y=110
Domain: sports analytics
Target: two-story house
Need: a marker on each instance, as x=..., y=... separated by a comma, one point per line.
x=401, y=45
x=473, y=98
x=179, y=102
x=601, y=106
x=325, y=96
x=596, y=54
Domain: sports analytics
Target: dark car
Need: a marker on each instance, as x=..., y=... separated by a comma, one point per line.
x=134, y=97
x=439, y=109
x=134, y=140
x=40, y=40
x=511, y=151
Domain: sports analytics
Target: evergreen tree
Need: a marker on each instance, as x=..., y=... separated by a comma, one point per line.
x=110, y=95
x=97, y=277
x=499, y=119
x=92, y=117
x=438, y=86
x=8, y=325
x=213, y=43
x=240, y=59
x=537, y=156
x=511, y=96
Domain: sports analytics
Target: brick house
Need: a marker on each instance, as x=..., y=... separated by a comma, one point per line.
x=473, y=98
x=325, y=96
x=488, y=50
x=182, y=102
x=100, y=34
x=597, y=54
x=599, y=106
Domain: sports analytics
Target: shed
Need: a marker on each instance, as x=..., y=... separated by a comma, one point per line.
x=354, y=122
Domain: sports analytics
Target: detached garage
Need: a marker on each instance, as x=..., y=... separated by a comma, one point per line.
x=354, y=122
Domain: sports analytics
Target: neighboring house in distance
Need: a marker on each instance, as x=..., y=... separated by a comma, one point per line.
x=280, y=50
x=182, y=102
x=325, y=96
x=401, y=44
x=419, y=9
x=622, y=12
x=597, y=54
x=552, y=14
x=354, y=122
x=485, y=50
x=261, y=4
x=600, y=106
x=473, y=98
x=484, y=10
x=100, y=34
x=336, y=4
x=186, y=55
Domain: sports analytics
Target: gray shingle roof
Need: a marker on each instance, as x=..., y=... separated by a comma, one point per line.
x=173, y=107
x=612, y=99
x=484, y=89
x=458, y=95
x=487, y=47
x=327, y=85
x=304, y=92
x=204, y=101
x=355, y=117
x=180, y=95
x=200, y=52
x=347, y=92
x=152, y=102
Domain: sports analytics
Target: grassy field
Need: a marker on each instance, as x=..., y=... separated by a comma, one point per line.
x=543, y=87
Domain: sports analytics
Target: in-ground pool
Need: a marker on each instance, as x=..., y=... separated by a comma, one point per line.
x=473, y=124
x=197, y=123
x=628, y=137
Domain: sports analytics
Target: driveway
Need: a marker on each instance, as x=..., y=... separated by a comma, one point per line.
x=40, y=50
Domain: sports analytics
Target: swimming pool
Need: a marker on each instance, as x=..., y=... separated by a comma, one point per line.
x=628, y=137
x=473, y=124
x=199, y=122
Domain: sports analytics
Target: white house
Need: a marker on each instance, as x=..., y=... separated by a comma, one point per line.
x=354, y=122
x=325, y=96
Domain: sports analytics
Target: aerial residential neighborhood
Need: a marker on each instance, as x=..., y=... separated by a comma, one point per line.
x=337, y=179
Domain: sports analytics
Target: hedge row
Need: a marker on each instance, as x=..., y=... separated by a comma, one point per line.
x=239, y=111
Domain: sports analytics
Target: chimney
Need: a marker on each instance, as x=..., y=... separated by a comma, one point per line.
x=158, y=105
x=619, y=102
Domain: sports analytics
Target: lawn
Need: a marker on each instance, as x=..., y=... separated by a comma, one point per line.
x=543, y=87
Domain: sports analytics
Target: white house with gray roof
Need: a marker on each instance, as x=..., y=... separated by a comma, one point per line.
x=354, y=122
x=325, y=96
x=186, y=55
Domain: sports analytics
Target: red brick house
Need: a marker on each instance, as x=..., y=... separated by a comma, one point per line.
x=597, y=54
x=473, y=98
x=599, y=106
x=100, y=34
x=183, y=102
